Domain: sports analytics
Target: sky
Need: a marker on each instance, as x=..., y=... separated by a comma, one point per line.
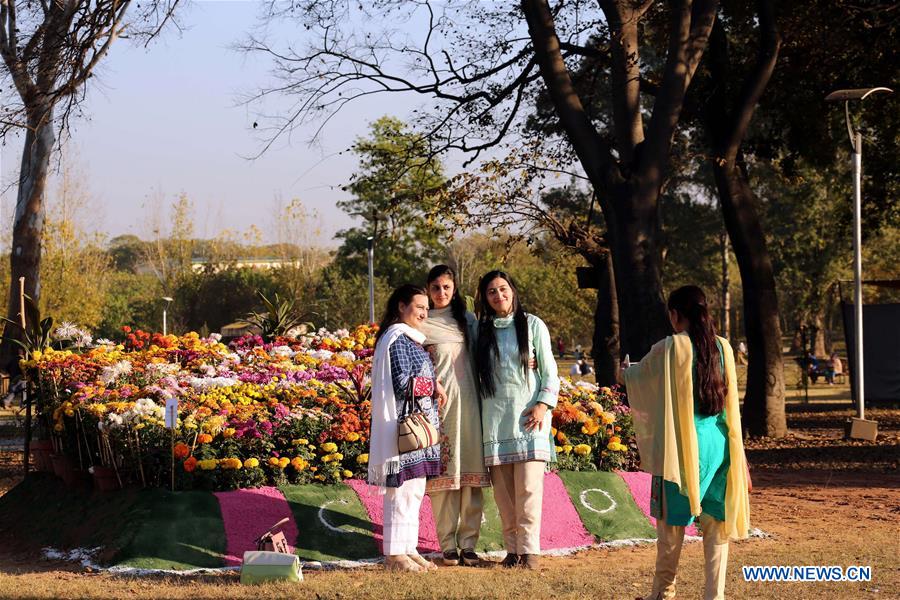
x=166, y=120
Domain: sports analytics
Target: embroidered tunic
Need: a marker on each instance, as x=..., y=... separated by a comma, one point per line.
x=409, y=359
x=462, y=460
x=505, y=438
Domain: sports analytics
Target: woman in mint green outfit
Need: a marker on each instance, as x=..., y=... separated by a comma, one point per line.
x=516, y=405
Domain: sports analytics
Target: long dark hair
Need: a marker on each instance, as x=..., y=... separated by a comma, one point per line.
x=486, y=350
x=403, y=294
x=690, y=302
x=457, y=304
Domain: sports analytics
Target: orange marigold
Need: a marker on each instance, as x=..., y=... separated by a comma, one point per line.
x=181, y=450
x=190, y=464
x=204, y=438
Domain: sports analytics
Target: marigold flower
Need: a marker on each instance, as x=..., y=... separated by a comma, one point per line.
x=181, y=450
x=228, y=432
x=328, y=447
x=582, y=449
x=251, y=463
x=352, y=437
x=204, y=438
x=273, y=461
x=590, y=427
x=347, y=473
x=567, y=449
x=283, y=462
x=190, y=464
x=208, y=465
x=362, y=459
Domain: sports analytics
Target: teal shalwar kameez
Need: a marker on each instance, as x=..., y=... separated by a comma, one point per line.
x=712, y=447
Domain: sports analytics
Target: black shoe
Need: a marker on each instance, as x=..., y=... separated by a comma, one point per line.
x=511, y=561
x=451, y=558
x=470, y=559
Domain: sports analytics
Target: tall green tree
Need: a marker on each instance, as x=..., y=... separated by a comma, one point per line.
x=392, y=192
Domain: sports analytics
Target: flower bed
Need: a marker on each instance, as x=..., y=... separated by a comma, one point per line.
x=254, y=413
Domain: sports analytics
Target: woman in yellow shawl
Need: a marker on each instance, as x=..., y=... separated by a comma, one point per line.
x=684, y=400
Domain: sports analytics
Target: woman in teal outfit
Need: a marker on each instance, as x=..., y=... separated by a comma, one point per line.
x=684, y=402
x=516, y=410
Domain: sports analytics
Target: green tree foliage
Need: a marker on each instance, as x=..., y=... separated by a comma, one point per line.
x=392, y=190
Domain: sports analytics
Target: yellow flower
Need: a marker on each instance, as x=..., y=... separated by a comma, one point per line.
x=229, y=432
x=567, y=448
x=590, y=427
x=251, y=463
x=70, y=412
x=299, y=464
x=320, y=477
x=283, y=462
x=273, y=461
x=561, y=437
x=337, y=457
x=553, y=431
x=558, y=449
x=328, y=447
x=347, y=473
x=36, y=355
x=615, y=440
x=352, y=437
x=362, y=459
x=207, y=465
x=582, y=449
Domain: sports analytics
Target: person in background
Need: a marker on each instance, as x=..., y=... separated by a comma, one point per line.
x=456, y=498
x=400, y=357
x=834, y=368
x=684, y=401
x=560, y=347
x=516, y=411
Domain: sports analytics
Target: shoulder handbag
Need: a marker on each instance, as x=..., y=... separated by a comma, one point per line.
x=415, y=431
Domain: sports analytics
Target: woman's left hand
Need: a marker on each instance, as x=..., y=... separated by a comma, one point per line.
x=534, y=417
x=440, y=394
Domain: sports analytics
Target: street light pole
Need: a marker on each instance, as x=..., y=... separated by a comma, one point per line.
x=371, y=252
x=860, y=427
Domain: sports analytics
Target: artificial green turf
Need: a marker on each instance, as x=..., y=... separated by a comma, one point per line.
x=339, y=506
x=173, y=530
x=149, y=528
x=625, y=521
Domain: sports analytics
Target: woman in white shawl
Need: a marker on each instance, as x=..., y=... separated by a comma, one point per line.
x=399, y=357
x=687, y=421
x=456, y=497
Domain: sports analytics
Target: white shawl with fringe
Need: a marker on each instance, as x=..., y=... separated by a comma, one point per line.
x=384, y=458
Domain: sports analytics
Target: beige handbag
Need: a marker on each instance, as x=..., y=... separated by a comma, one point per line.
x=415, y=431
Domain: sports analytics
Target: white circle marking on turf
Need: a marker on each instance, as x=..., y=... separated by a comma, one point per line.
x=324, y=521
x=589, y=506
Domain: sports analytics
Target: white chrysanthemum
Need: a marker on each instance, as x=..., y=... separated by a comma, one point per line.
x=105, y=342
x=586, y=385
x=282, y=351
x=347, y=354
x=321, y=354
x=65, y=331
x=82, y=338
x=112, y=372
x=205, y=383
x=215, y=337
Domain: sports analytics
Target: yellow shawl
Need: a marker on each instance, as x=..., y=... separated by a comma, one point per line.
x=660, y=392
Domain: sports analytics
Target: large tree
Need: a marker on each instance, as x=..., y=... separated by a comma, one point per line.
x=482, y=63
x=392, y=191
x=50, y=49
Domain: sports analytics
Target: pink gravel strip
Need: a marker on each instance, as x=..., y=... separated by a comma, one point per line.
x=374, y=503
x=561, y=527
x=639, y=485
x=247, y=514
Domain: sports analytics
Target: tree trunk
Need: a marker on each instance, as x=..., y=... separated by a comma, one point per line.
x=638, y=279
x=763, y=413
x=605, y=349
x=28, y=223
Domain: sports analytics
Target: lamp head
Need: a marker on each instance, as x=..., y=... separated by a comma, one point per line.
x=857, y=94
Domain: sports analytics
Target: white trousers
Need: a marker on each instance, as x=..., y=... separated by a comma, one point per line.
x=401, y=517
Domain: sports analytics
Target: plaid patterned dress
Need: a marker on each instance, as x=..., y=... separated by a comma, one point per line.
x=409, y=359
